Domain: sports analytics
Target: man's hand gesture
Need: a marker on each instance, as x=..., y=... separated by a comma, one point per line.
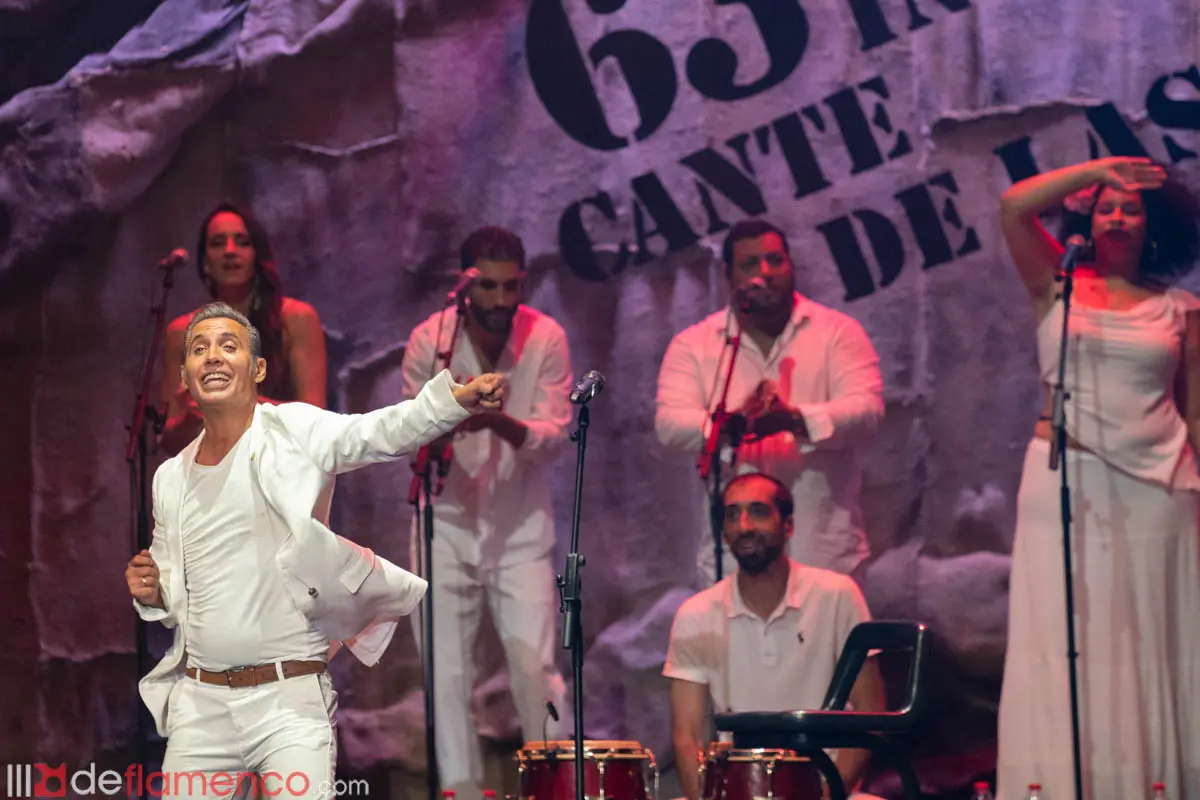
x=485, y=393
x=142, y=576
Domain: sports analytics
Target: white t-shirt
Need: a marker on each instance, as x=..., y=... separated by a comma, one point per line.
x=239, y=613
x=783, y=663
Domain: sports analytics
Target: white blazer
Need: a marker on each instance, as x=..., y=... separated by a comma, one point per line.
x=295, y=451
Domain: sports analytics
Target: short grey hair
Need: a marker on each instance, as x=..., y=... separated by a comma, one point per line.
x=224, y=311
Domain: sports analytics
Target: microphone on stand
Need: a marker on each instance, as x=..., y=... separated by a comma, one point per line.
x=457, y=295
x=590, y=385
x=176, y=259
x=551, y=713
x=742, y=295
x=551, y=755
x=1078, y=248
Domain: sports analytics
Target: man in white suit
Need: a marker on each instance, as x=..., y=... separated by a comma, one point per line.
x=258, y=590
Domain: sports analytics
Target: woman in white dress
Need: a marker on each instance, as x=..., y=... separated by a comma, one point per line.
x=1133, y=420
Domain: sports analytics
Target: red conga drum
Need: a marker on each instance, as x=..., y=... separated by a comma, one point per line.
x=612, y=770
x=732, y=774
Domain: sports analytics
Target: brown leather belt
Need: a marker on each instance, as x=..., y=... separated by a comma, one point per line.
x=242, y=677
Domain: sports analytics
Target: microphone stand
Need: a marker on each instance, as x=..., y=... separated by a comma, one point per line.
x=421, y=491
x=1058, y=447
x=709, y=463
x=572, y=604
x=135, y=455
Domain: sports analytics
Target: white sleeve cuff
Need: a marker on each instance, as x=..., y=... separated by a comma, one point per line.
x=441, y=393
x=818, y=423
x=689, y=674
x=150, y=613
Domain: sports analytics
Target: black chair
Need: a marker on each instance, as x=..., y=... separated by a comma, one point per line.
x=810, y=733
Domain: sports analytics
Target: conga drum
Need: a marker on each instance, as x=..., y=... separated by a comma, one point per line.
x=613, y=770
x=728, y=773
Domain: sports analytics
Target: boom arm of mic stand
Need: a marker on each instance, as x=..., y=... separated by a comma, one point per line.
x=710, y=459
x=142, y=406
x=425, y=455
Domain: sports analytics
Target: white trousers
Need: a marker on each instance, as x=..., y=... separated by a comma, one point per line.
x=523, y=601
x=282, y=733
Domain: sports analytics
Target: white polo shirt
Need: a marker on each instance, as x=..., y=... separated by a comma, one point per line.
x=783, y=663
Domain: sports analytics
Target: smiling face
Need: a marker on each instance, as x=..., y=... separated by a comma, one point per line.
x=228, y=253
x=219, y=369
x=1119, y=229
x=755, y=530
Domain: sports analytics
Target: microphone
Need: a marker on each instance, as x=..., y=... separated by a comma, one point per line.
x=177, y=259
x=1078, y=249
x=465, y=280
x=545, y=723
x=756, y=284
x=590, y=385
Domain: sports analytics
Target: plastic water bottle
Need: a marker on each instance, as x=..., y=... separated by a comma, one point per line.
x=1158, y=791
x=982, y=791
x=1035, y=792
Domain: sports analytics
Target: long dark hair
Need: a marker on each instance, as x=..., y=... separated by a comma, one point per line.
x=266, y=309
x=1172, y=242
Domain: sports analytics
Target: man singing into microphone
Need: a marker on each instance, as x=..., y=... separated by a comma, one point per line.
x=806, y=389
x=493, y=523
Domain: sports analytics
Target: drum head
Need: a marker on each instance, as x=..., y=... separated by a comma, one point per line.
x=565, y=748
x=725, y=751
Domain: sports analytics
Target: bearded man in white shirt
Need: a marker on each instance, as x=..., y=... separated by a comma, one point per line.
x=806, y=389
x=259, y=591
x=767, y=638
x=493, y=522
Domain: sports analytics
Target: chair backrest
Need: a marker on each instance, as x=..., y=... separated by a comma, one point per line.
x=880, y=635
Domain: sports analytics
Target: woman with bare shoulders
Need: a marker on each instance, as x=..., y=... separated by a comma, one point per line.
x=1133, y=423
x=234, y=259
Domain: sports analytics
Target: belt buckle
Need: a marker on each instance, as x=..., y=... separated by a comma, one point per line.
x=229, y=673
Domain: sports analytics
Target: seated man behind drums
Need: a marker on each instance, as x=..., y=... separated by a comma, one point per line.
x=766, y=638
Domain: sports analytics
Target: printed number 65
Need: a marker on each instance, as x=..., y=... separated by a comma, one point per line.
x=563, y=79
